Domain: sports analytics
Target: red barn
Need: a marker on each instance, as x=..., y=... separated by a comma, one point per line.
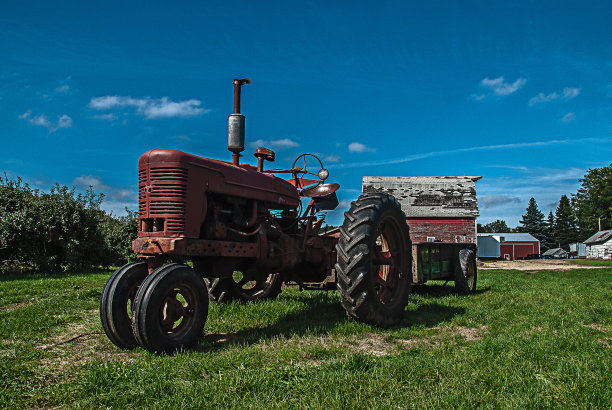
x=438, y=209
x=507, y=246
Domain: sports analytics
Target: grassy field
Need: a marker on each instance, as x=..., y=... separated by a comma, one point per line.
x=590, y=262
x=524, y=340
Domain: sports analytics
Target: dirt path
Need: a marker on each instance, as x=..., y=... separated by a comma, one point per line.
x=536, y=264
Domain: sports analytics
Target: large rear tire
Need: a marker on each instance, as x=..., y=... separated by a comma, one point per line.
x=465, y=271
x=117, y=303
x=171, y=309
x=374, y=255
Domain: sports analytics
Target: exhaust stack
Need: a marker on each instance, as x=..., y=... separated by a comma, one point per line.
x=235, y=124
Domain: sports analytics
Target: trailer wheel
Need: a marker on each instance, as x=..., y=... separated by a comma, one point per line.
x=465, y=271
x=374, y=255
x=171, y=309
x=117, y=303
x=244, y=288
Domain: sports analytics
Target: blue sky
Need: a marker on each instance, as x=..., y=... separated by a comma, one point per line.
x=517, y=92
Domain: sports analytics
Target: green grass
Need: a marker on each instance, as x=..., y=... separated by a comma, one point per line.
x=524, y=340
x=590, y=262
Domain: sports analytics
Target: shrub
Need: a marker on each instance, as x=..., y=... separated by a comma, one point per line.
x=59, y=230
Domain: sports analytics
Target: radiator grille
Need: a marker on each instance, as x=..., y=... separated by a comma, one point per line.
x=166, y=193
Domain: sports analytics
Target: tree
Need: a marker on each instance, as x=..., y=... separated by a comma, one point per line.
x=499, y=225
x=593, y=201
x=533, y=221
x=549, y=240
x=565, y=227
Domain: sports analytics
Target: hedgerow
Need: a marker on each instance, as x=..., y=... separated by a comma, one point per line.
x=59, y=230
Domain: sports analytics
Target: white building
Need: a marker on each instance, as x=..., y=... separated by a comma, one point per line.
x=599, y=246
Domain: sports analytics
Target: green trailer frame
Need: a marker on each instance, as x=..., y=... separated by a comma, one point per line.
x=436, y=260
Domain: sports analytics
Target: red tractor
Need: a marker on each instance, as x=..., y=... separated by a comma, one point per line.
x=246, y=231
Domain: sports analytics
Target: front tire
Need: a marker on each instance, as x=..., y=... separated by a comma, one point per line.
x=374, y=260
x=117, y=303
x=171, y=309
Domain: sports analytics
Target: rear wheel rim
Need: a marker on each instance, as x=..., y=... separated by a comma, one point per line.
x=386, y=262
x=251, y=287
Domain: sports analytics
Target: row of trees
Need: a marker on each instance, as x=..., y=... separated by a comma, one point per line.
x=59, y=230
x=574, y=219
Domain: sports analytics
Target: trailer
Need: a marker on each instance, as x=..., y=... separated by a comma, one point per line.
x=445, y=261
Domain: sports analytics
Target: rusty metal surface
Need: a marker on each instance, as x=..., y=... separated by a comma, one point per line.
x=195, y=247
x=320, y=190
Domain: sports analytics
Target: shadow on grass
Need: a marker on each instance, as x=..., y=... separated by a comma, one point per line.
x=438, y=291
x=318, y=318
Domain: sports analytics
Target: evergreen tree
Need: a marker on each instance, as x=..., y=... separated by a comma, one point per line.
x=549, y=240
x=565, y=226
x=593, y=201
x=533, y=221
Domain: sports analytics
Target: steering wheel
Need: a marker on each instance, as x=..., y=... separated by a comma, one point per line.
x=321, y=174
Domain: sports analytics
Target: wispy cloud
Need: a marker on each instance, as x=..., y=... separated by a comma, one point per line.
x=359, y=147
x=546, y=185
x=498, y=87
x=63, y=121
x=62, y=89
x=569, y=117
x=148, y=107
x=116, y=198
x=277, y=144
x=106, y=117
x=493, y=201
x=331, y=158
x=86, y=181
x=431, y=154
x=567, y=94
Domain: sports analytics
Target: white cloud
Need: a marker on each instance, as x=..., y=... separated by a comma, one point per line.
x=500, y=87
x=359, y=147
x=85, y=181
x=542, y=98
x=493, y=201
x=278, y=144
x=569, y=117
x=431, y=154
x=62, y=89
x=63, y=121
x=150, y=108
x=567, y=94
x=331, y=158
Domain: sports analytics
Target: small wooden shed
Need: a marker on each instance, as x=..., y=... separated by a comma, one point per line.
x=437, y=208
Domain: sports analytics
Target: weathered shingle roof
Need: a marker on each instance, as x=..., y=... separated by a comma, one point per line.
x=443, y=196
x=554, y=251
x=599, y=237
x=512, y=237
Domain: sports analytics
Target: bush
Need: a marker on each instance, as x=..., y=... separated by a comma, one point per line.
x=60, y=230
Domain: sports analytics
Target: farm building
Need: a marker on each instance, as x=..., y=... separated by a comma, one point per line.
x=599, y=246
x=438, y=209
x=507, y=246
x=557, y=253
x=577, y=250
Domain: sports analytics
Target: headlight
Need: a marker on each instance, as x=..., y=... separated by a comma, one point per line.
x=323, y=174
